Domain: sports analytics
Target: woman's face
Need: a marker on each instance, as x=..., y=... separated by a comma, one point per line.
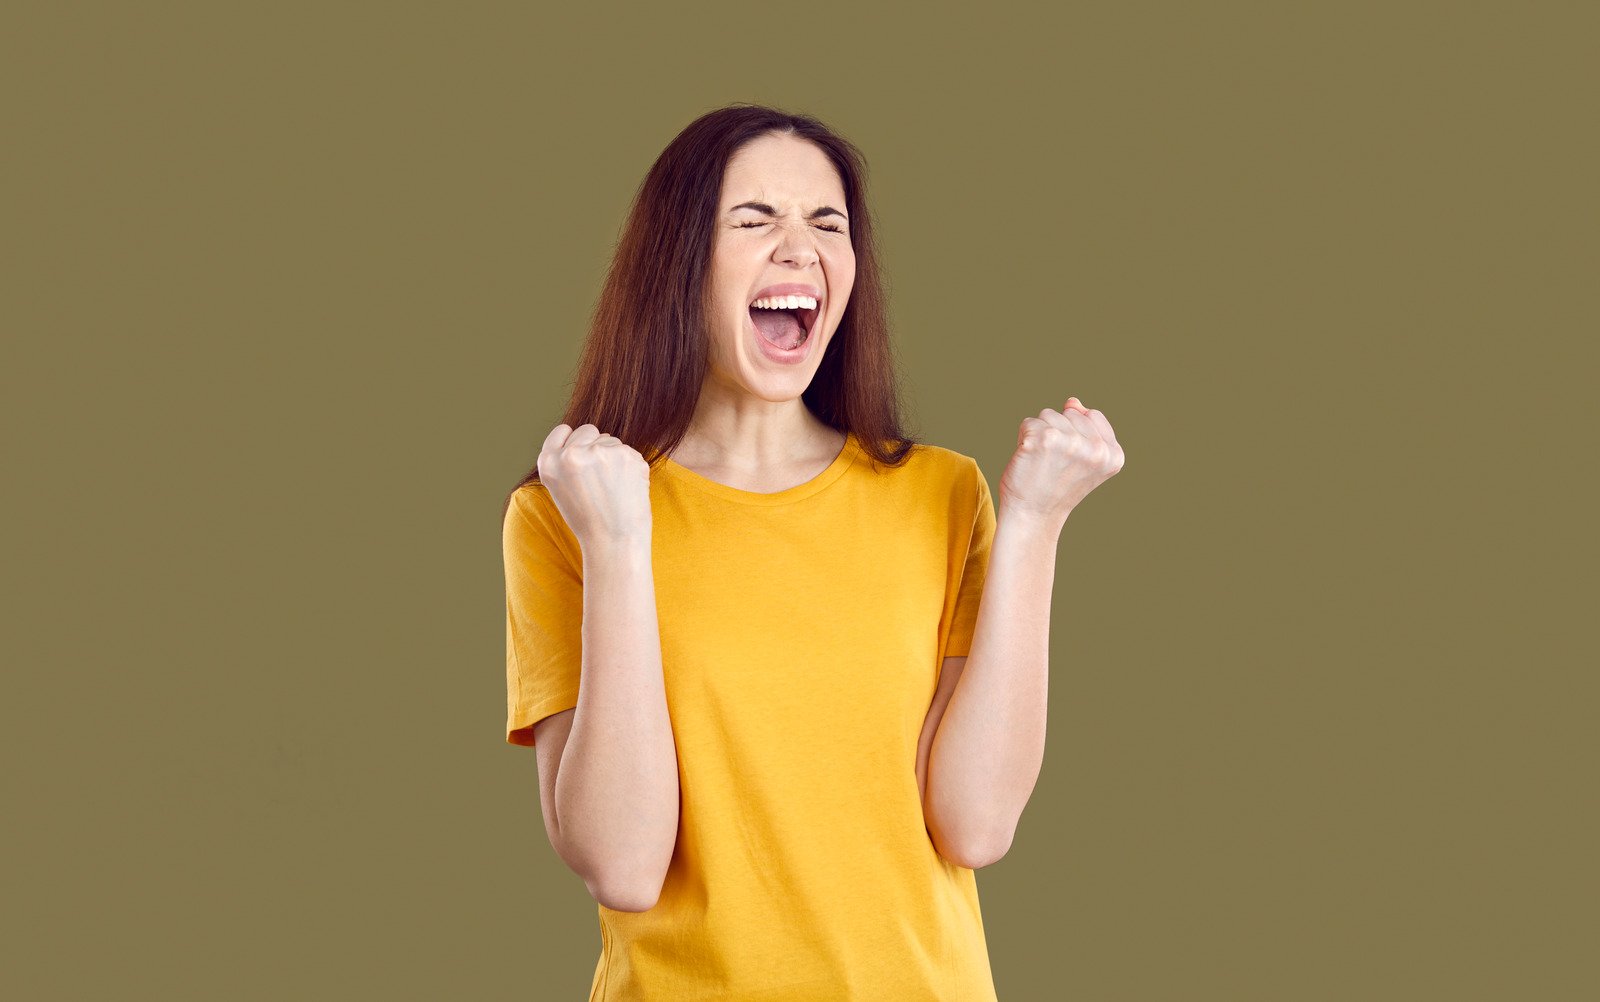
x=780, y=222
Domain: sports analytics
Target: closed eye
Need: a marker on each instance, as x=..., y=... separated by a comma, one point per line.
x=830, y=229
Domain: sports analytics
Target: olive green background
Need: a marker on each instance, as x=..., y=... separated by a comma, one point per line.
x=293, y=292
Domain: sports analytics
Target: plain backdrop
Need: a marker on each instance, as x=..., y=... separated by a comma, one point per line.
x=292, y=293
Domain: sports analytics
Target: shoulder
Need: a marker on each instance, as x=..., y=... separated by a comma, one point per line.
x=529, y=507
x=928, y=458
x=938, y=465
x=533, y=500
x=957, y=479
x=530, y=496
x=935, y=477
x=532, y=516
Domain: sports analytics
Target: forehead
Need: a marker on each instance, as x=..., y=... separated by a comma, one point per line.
x=784, y=171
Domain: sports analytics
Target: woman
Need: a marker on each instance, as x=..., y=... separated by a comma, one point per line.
x=737, y=615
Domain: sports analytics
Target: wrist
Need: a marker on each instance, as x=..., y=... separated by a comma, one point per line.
x=1030, y=521
x=628, y=548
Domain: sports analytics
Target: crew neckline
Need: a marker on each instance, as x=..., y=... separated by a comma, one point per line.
x=798, y=492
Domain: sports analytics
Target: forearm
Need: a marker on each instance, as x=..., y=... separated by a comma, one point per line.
x=989, y=745
x=617, y=787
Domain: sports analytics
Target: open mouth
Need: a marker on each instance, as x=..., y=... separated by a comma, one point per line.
x=786, y=328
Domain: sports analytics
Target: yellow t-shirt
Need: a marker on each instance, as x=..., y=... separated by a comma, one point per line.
x=802, y=634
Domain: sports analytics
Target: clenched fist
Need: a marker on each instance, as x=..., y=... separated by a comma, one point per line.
x=1061, y=456
x=600, y=484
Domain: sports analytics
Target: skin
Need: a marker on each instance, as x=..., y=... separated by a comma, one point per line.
x=750, y=428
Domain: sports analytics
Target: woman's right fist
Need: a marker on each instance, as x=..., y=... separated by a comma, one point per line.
x=600, y=484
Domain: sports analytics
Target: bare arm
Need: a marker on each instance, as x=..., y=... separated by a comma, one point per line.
x=613, y=781
x=988, y=742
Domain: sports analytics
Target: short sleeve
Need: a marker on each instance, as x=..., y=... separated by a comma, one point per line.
x=974, y=569
x=544, y=612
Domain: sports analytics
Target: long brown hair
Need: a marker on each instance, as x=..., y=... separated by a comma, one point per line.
x=646, y=355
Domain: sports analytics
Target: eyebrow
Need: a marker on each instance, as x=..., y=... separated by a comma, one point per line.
x=817, y=213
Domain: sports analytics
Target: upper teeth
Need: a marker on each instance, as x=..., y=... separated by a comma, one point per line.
x=785, y=303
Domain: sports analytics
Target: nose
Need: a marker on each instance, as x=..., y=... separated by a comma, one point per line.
x=797, y=246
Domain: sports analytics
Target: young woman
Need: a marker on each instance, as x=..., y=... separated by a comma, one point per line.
x=740, y=598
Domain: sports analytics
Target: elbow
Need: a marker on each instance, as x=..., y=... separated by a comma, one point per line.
x=625, y=898
x=973, y=851
x=622, y=879
x=626, y=892
x=977, y=854
x=989, y=853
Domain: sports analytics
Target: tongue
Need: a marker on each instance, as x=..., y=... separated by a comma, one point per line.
x=781, y=327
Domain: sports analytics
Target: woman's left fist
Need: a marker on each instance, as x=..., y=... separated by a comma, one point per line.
x=1061, y=456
